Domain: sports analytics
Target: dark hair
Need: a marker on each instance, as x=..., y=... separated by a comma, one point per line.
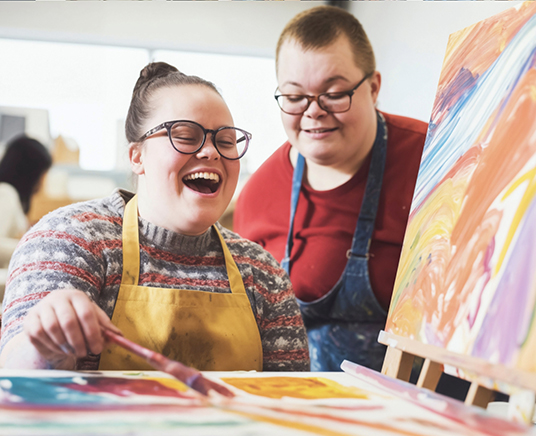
x=154, y=76
x=24, y=163
x=320, y=26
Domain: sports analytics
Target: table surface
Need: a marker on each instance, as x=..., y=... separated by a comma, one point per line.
x=356, y=402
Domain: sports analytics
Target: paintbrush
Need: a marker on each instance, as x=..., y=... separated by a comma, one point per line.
x=186, y=374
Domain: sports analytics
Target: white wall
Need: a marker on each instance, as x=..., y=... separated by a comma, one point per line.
x=409, y=38
x=246, y=28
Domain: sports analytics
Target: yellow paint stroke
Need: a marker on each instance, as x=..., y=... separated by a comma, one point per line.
x=525, y=202
x=309, y=388
x=433, y=222
x=290, y=424
x=407, y=318
x=425, y=255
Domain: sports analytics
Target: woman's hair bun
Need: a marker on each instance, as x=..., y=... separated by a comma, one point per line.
x=154, y=76
x=157, y=69
x=153, y=71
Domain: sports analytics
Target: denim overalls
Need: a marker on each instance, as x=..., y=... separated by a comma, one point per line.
x=345, y=322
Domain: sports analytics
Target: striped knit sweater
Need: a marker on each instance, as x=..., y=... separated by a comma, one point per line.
x=79, y=246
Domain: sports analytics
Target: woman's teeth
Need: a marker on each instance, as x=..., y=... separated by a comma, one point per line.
x=203, y=175
x=205, y=182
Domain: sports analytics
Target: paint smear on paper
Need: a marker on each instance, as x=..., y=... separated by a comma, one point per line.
x=92, y=392
x=332, y=406
x=295, y=387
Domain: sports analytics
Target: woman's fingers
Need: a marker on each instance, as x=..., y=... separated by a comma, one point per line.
x=52, y=335
x=67, y=322
x=72, y=314
x=35, y=327
x=89, y=322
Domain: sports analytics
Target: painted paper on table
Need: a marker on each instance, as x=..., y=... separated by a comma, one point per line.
x=467, y=274
x=359, y=402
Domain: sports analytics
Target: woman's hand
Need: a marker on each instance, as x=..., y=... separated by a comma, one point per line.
x=65, y=325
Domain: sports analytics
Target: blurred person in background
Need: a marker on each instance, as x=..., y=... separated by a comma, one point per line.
x=22, y=170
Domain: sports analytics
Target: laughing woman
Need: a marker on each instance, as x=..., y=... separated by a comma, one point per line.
x=155, y=266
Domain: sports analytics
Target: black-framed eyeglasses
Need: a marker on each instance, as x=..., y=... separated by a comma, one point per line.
x=334, y=102
x=188, y=137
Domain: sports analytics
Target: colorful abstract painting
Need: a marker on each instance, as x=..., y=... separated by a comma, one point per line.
x=467, y=275
x=357, y=402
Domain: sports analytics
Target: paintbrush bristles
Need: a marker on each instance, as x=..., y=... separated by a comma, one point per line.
x=194, y=379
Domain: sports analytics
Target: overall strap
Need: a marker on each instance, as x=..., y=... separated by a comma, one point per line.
x=295, y=194
x=131, y=244
x=371, y=199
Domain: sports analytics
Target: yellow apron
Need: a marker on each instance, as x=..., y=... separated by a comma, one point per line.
x=206, y=330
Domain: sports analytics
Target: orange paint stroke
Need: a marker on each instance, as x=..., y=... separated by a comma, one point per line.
x=295, y=387
x=289, y=424
x=510, y=148
x=491, y=36
x=316, y=429
x=462, y=258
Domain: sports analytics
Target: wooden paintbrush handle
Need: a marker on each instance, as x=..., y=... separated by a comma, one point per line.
x=188, y=375
x=127, y=344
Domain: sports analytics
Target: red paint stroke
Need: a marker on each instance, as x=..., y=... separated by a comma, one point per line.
x=122, y=387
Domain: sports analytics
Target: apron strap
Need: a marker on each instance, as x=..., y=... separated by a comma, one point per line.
x=371, y=199
x=131, y=244
x=131, y=252
x=235, y=278
x=297, y=178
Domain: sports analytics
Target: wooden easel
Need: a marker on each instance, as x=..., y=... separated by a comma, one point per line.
x=485, y=377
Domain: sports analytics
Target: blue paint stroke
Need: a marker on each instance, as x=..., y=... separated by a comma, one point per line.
x=467, y=117
x=47, y=391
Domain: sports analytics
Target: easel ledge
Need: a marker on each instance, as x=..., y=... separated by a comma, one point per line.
x=485, y=376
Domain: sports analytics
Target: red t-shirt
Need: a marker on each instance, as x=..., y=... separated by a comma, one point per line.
x=325, y=220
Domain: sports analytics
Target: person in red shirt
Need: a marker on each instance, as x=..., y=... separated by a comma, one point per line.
x=332, y=203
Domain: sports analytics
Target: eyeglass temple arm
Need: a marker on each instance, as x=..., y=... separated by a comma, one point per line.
x=244, y=138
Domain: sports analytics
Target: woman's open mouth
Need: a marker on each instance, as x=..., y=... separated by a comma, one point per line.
x=204, y=182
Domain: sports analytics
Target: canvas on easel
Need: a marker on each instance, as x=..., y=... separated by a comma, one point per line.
x=465, y=292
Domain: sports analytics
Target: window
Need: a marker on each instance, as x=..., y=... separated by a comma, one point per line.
x=86, y=90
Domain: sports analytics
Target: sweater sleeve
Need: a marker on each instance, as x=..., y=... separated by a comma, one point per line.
x=57, y=253
x=283, y=335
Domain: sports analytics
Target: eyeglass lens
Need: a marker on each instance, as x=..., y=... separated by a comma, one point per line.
x=332, y=102
x=188, y=137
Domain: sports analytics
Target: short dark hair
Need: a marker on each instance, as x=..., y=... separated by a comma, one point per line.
x=320, y=26
x=152, y=77
x=25, y=161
